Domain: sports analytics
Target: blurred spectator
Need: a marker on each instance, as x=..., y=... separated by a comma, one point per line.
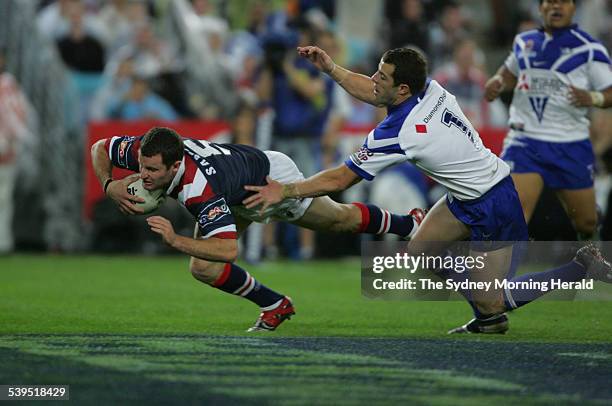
x=120, y=19
x=53, y=20
x=117, y=80
x=526, y=23
x=213, y=95
x=465, y=78
x=341, y=105
x=140, y=103
x=301, y=98
x=14, y=112
x=445, y=34
x=151, y=55
x=244, y=57
x=80, y=51
x=257, y=17
x=244, y=125
x=160, y=63
x=411, y=28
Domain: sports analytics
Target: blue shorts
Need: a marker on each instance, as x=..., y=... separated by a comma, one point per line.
x=562, y=165
x=495, y=216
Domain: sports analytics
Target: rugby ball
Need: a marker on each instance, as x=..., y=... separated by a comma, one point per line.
x=152, y=198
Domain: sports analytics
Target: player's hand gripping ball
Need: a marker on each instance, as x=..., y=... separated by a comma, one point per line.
x=152, y=198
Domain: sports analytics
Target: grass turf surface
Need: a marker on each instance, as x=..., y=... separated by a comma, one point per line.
x=136, y=328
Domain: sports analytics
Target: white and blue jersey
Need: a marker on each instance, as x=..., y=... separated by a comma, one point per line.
x=540, y=114
x=545, y=66
x=430, y=130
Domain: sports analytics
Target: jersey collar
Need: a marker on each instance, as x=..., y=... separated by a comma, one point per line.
x=559, y=31
x=177, y=177
x=410, y=102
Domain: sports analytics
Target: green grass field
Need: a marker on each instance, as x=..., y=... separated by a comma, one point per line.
x=128, y=329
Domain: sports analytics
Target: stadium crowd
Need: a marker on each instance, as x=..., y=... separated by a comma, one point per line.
x=129, y=62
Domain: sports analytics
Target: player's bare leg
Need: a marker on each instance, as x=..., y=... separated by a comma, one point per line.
x=496, y=267
x=230, y=278
x=324, y=214
x=439, y=226
x=327, y=215
x=580, y=206
x=529, y=187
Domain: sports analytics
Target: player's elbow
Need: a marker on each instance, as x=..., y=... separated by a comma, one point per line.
x=96, y=147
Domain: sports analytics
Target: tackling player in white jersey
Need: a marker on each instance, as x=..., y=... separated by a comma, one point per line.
x=425, y=126
x=548, y=143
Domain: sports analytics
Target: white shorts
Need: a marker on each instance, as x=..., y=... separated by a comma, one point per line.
x=283, y=170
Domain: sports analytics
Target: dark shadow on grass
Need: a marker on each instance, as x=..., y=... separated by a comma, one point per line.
x=581, y=370
x=95, y=385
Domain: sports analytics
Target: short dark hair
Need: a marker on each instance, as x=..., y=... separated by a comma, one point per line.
x=164, y=141
x=410, y=68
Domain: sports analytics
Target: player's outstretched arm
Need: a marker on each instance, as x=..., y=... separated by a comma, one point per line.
x=209, y=249
x=359, y=86
x=323, y=183
x=502, y=80
x=115, y=189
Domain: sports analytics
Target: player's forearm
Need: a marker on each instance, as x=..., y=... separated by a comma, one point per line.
x=103, y=167
x=602, y=99
x=357, y=85
x=321, y=184
x=507, y=78
x=211, y=249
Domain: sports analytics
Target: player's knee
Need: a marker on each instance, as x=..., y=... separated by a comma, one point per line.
x=347, y=219
x=205, y=271
x=586, y=226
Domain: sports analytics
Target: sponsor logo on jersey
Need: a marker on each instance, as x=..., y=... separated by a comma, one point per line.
x=216, y=211
x=213, y=212
x=122, y=148
x=538, y=104
x=523, y=83
x=546, y=85
x=361, y=155
x=420, y=128
x=435, y=108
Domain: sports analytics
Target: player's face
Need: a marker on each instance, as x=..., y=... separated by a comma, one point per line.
x=384, y=91
x=153, y=172
x=557, y=13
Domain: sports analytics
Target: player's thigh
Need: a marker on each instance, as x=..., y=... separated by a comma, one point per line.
x=327, y=215
x=529, y=187
x=439, y=226
x=580, y=206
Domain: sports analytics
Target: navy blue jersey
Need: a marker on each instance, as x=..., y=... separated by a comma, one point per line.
x=210, y=179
